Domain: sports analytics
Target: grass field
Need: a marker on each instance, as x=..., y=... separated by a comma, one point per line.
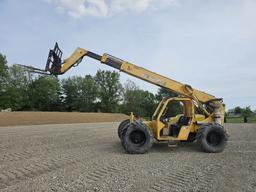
x=240, y=120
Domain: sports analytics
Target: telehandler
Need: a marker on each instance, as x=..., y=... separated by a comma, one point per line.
x=202, y=118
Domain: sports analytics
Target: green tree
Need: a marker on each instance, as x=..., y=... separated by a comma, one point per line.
x=3, y=81
x=247, y=112
x=238, y=110
x=3, y=66
x=141, y=102
x=80, y=93
x=70, y=89
x=14, y=88
x=11, y=98
x=148, y=103
x=18, y=88
x=109, y=90
x=131, y=99
x=88, y=94
x=164, y=93
x=44, y=94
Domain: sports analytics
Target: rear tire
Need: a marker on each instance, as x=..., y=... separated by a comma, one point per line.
x=212, y=138
x=121, y=128
x=138, y=138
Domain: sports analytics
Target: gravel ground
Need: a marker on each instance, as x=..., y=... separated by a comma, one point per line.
x=89, y=157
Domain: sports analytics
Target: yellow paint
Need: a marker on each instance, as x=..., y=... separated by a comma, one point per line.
x=73, y=59
x=162, y=81
x=191, y=98
x=104, y=58
x=131, y=117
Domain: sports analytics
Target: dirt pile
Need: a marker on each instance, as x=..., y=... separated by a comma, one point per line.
x=39, y=118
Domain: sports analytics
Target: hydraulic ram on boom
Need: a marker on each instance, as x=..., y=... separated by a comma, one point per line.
x=187, y=124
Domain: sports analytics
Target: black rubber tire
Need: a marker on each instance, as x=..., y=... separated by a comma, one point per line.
x=121, y=128
x=138, y=138
x=124, y=130
x=212, y=138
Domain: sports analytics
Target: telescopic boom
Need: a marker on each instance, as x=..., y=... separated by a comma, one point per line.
x=56, y=67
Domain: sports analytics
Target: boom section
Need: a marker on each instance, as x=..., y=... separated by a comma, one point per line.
x=56, y=67
x=161, y=81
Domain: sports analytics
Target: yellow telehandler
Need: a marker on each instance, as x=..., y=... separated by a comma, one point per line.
x=202, y=118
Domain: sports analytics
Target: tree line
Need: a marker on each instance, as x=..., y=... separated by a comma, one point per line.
x=21, y=90
x=244, y=112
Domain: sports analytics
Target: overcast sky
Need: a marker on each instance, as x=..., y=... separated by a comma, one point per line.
x=209, y=44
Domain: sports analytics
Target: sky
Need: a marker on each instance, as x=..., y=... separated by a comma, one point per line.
x=209, y=44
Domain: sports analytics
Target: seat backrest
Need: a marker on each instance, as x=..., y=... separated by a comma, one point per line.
x=183, y=120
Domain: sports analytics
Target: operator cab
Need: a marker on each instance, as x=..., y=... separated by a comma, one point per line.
x=175, y=114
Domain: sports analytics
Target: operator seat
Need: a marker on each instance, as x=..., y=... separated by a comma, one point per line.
x=175, y=128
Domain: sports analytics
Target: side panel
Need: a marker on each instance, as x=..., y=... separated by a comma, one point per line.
x=184, y=132
x=152, y=125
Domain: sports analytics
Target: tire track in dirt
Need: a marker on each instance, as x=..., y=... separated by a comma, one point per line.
x=98, y=174
x=13, y=176
x=206, y=181
x=81, y=163
x=2, y=147
x=175, y=181
x=106, y=172
x=186, y=179
x=48, y=141
x=16, y=156
x=101, y=172
x=27, y=154
x=38, y=167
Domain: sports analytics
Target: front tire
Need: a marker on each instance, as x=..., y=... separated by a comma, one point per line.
x=212, y=138
x=121, y=128
x=138, y=138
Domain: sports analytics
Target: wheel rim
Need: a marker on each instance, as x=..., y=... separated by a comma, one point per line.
x=138, y=137
x=214, y=138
